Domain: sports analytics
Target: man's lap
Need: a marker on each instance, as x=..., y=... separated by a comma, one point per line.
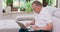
x=40, y=31
x=22, y=30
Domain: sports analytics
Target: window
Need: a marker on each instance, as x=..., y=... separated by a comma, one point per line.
x=51, y=2
x=25, y=5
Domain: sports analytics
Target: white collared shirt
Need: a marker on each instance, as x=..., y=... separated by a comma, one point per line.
x=43, y=18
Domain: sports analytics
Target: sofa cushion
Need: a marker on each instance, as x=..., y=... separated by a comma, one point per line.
x=56, y=24
x=51, y=9
x=25, y=17
x=56, y=13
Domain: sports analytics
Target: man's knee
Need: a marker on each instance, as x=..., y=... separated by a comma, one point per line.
x=23, y=30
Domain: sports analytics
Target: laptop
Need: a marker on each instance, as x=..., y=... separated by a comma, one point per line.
x=22, y=25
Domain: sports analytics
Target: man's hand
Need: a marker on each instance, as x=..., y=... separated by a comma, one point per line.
x=35, y=27
x=27, y=24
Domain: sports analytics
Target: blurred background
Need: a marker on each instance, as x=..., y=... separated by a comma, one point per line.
x=25, y=5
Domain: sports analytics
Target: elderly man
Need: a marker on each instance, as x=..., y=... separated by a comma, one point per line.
x=42, y=18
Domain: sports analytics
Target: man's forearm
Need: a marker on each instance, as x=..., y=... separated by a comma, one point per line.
x=45, y=28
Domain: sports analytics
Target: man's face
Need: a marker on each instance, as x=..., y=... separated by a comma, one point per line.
x=36, y=8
